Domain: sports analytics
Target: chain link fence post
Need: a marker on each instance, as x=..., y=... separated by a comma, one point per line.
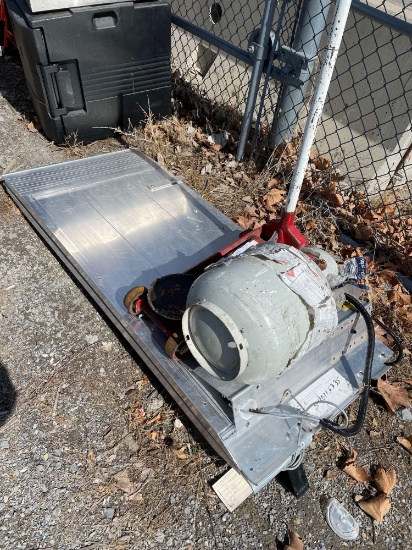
x=310, y=28
x=259, y=50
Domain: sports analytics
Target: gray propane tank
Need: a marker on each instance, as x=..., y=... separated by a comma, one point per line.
x=248, y=316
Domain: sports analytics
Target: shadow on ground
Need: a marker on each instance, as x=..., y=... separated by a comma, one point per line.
x=8, y=395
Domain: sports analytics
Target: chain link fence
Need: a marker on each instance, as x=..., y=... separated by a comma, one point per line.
x=365, y=132
x=219, y=77
x=366, y=127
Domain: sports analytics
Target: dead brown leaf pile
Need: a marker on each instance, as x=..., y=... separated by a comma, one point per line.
x=382, y=480
x=381, y=227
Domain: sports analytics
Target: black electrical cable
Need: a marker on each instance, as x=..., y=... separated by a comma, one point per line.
x=355, y=429
x=396, y=340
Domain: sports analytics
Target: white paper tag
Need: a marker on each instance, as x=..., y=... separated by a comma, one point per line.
x=332, y=386
x=232, y=489
x=307, y=284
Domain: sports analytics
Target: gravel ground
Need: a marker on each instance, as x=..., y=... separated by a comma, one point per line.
x=80, y=467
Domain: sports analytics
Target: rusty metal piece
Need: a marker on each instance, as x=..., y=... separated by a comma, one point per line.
x=167, y=295
x=176, y=346
x=134, y=294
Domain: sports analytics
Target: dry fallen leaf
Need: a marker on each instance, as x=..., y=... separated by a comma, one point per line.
x=295, y=542
x=388, y=276
x=393, y=396
x=351, y=458
x=356, y=472
x=405, y=318
x=376, y=507
x=274, y=197
x=321, y=163
x=337, y=199
x=381, y=333
x=329, y=188
x=311, y=224
x=245, y=223
x=31, y=127
x=248, y=199
x=384, y=480
x=313, y=154
x=124, y=483
x=406, y=442
x=156, y=419
x=397, y=297
x=180, y=453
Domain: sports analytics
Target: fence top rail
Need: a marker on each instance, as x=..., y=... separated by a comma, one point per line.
x=402, y=26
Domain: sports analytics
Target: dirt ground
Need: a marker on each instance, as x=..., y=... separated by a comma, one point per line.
x=81, y=467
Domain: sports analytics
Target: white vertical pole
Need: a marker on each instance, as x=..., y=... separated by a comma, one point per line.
x=337, y=27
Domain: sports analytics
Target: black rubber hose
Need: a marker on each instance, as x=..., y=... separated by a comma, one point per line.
x=396, y=340
x=363, y=405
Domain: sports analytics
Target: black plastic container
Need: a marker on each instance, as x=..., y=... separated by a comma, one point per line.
x=96, y=68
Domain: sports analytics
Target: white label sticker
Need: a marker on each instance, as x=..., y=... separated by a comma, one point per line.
x=232, y=489
x=332, y=387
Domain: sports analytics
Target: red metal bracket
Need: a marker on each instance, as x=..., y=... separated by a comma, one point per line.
x=287, y=232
